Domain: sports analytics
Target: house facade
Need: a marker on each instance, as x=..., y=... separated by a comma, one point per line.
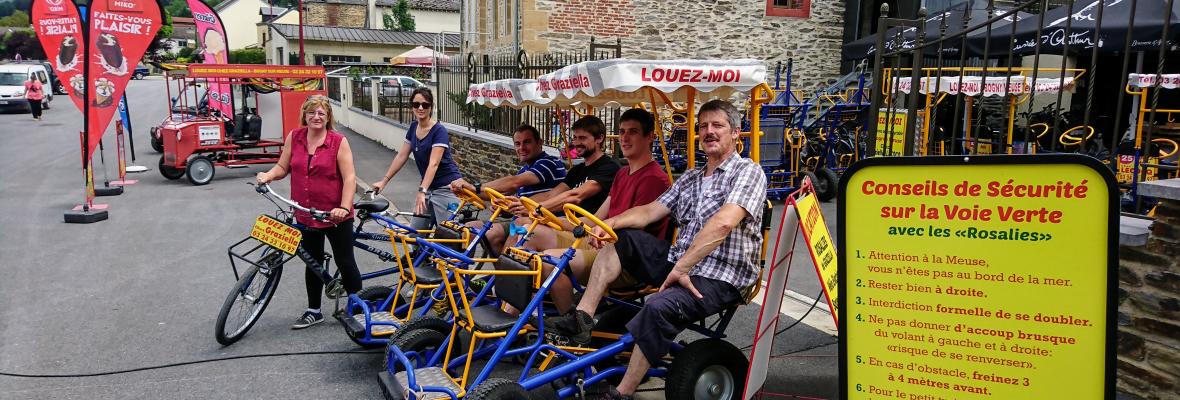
x=241, y=18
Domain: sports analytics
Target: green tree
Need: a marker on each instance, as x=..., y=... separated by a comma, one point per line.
x=247, y=56
x=163, y=34
x=400, y=20
x=179, y=8
x=23, y=42
x=18, y=18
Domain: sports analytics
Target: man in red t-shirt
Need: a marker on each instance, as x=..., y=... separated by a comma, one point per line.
x=640, y=182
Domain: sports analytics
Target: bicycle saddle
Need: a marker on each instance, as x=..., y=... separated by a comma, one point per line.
x=375, y=205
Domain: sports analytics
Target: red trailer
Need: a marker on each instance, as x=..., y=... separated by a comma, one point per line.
x=198, y=138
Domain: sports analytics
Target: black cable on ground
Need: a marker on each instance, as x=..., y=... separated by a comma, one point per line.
x=179, y=364
x=792, y=325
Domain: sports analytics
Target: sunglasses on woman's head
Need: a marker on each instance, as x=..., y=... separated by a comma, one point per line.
x=424, y=106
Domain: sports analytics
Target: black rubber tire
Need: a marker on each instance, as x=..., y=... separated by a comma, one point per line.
x=157, y=141
x=269, y=284
x=374, y=295
x=169, y=172
x=417, y=340
x=430, y=322
x=138, y=76
x=702, y=362
x=827, y=184
x=498, y=389
x=199, y=170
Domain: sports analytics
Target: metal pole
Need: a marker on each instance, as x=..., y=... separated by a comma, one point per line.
x=878, y=77
x=911, y=122
x=301, y=62
x=86, y=104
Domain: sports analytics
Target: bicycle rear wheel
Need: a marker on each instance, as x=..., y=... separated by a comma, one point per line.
x=248, y=299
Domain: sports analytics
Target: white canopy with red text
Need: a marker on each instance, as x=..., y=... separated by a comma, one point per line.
x=623, y=80
x=992, y=86
x=513, y=93
x=1166, y=81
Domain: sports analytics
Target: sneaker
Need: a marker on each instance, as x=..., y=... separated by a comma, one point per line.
x=576, y=326
x=308, y=319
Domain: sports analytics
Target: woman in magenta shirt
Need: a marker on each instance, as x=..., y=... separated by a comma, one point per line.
x=319, y=161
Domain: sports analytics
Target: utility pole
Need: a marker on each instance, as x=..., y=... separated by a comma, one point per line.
x=301, y=62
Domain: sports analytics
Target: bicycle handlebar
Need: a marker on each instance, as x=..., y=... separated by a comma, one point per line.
x=265, y=190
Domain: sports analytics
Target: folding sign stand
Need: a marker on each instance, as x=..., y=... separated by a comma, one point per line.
x=800, y=218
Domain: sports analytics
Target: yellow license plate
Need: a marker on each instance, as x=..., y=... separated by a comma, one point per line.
x=276, y=233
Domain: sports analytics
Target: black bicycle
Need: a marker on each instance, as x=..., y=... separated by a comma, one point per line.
x=275, y=240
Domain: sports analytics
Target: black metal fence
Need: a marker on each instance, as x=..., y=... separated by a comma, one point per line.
x=333, y=88
x=1030, y=78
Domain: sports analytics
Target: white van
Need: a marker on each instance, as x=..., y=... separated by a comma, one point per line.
x=12, y=85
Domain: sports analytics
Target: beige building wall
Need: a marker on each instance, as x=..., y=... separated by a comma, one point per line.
x=265, y=35
x=241, y=18
x=434, y=21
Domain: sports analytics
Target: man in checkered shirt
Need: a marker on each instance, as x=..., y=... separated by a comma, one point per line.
x=715, y=257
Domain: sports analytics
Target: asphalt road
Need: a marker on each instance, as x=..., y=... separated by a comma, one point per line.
x=143, y=288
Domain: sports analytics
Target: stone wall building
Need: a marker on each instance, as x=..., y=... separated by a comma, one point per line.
x=1149, y=303
x=429, y=15
x=810, y=32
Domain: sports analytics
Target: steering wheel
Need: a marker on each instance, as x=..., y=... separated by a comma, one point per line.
x=498, y=200
x=1162, y=154
x=471, y=198
x=541, y=213
x=1070, y=140
x=1044, y=128
x=572, y=213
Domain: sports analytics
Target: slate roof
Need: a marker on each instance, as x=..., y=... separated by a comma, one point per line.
x=359, y=35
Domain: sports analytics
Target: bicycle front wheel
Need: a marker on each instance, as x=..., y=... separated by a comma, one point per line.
x=247, y=301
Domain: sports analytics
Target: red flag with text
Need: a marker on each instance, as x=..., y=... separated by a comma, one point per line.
x=60, y=31
x=120, y=32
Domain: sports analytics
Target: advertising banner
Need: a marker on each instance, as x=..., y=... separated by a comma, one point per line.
x=120, y=32
x=255, y=71
x=59, y=29
x=978, y=278
x=990, y=87
x=214, y=47
x=822, y=248
x=890, y=131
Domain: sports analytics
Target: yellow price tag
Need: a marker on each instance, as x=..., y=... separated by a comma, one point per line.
x=276, y=233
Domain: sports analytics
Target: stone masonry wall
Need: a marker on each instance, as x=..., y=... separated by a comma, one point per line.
x=342, y=15
x=480, y=159
x=1149, y=311
x=663, y=29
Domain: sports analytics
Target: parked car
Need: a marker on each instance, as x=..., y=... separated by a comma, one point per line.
x=390, y=85
x=12, y=85
x=57, y=86
x=140, y=72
